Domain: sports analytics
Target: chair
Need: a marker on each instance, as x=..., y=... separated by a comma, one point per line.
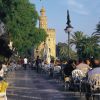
x=57, y=69
x=57, y=73
x=94, y=81
x=46, y=69
x=77, y=74
x=77, y=77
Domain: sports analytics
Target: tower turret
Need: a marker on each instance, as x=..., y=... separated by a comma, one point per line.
x=42, y=11
x=43, y=19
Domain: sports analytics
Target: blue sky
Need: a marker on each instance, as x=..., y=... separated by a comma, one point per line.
x=85, y=14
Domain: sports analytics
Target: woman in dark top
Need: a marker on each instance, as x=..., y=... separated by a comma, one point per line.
x=95, y=62
x=69, y=67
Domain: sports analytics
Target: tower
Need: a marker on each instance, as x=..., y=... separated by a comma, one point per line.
x=51, y=39
x=43, y=19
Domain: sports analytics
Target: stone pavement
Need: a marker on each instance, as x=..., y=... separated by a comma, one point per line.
x=28, y=85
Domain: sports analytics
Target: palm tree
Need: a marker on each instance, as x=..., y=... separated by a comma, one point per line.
x=86, y=46
x=98, y=27
x=89, y=44
x=97, y=32
x=76, y=38
x=62, y=51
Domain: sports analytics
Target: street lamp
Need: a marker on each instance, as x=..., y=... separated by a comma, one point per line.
x=68, y=30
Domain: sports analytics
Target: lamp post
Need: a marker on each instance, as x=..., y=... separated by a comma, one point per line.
x=68, y=30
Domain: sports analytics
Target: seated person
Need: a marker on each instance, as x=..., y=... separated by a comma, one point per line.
x=83, y=67
x=87, y=61
x=69, y=68
x=95, y=62
x=95, y=70
x=92, y=72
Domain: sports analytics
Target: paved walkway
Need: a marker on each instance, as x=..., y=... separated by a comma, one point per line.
x=28, y=85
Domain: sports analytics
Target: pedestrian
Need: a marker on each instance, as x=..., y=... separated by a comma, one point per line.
x=25, y=63
x=51, y=68
x=37, y=64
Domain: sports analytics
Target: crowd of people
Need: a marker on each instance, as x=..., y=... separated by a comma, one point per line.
x=87, y=67
x=62, y=68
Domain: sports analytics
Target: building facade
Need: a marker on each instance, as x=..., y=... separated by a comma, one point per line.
x=51, y=38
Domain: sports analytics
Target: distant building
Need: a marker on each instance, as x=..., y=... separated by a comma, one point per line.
x=51, y=39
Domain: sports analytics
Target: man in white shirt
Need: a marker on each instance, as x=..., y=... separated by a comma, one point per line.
x=25, y=62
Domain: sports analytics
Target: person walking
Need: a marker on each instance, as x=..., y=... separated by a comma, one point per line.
x=37, y=64
x=51, y=68
x=25, y=63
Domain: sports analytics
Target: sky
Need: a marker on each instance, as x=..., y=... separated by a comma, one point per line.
x=84, y=14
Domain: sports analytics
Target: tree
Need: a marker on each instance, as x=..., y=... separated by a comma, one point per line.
x=62, y=51
x=75, y=40
x=98, y=27
x=97, y=32
x=90, y=46
x=86, y=46
x=4, y=49
x=20, y=18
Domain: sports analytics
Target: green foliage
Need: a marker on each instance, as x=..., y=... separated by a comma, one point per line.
x=20, y=18
x=97, y=32
x=62, y=51
x=86, y=46
x=98, y=28
x=76, y=38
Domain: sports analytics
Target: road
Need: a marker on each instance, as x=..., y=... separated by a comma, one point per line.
x=29, y=85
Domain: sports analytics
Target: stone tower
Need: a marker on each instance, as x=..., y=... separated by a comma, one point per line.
x=51, y=39
x=43, y=19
